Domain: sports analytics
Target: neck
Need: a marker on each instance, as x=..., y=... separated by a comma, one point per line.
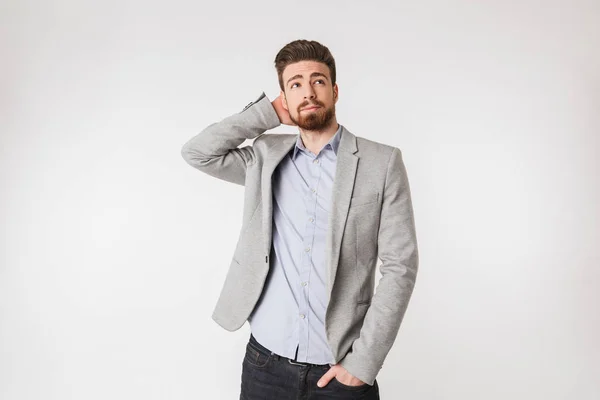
x=315, y=140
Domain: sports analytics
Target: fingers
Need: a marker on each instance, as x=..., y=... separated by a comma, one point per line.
x=327, y=377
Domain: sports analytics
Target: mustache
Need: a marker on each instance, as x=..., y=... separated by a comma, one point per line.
x=307, y=104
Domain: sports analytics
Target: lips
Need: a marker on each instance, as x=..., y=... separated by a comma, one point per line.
x=310, y=108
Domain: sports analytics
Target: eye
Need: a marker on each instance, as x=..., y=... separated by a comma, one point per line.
x=320, y=80
x=295, y=83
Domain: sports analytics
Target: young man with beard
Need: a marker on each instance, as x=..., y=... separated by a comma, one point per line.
x=320, y=207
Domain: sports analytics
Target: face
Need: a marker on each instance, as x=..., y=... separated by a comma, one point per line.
x=309, y=96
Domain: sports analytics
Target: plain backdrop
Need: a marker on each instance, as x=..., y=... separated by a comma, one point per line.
x=113, y=250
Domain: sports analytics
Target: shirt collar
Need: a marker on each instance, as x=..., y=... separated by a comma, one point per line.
x=334, y=142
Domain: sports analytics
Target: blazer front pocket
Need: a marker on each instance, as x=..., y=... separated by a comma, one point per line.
x=250, y=237
x=364, y=199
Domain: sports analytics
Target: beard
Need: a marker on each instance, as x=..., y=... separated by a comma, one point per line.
x=316, y=120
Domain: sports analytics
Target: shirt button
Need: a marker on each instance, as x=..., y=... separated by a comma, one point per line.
x=314, y=190
x=304, y=283
x=316, y=161
x=307, y=249
x=311, y=219
x=302, y=316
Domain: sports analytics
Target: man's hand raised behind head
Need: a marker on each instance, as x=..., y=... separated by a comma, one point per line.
x=282, y=113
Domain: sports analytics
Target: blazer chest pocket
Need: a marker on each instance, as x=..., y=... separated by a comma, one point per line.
x=364, y=199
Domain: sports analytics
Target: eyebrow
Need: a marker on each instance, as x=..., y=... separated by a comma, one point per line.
x=311, y=75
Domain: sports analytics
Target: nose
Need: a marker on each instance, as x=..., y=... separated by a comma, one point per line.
x=309, y=93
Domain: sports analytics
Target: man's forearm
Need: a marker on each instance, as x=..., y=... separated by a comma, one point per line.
x=215, y=149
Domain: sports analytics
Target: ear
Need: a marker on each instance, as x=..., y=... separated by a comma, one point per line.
x=335, y=93
x=284, y=101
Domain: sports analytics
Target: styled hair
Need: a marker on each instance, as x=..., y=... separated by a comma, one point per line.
x=303, y=50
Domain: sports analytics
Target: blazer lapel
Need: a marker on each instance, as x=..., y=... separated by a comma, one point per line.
x=343, y=185
x=273, y=157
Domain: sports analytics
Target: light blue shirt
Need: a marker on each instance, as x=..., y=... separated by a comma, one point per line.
x=290, y=314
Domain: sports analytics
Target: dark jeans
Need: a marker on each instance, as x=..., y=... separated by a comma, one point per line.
x=267, y=376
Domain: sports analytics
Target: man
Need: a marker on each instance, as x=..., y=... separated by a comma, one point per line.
x=319, y=208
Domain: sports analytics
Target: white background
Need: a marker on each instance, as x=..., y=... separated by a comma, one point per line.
x=114, y=250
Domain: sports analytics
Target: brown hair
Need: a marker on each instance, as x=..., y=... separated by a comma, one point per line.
x=303, y=50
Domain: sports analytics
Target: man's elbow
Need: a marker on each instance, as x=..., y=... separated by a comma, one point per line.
x=193, y=157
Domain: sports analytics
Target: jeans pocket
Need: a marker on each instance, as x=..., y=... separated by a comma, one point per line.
x=364, y=386
x=256, y=358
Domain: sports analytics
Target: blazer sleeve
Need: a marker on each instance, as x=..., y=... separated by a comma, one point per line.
x=215, y=149
x=397, y=249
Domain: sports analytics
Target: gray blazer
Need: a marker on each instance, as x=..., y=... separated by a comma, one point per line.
x=371, y=217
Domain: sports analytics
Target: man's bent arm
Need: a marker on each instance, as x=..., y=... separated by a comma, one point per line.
x=215, y=149
x=397, y=249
